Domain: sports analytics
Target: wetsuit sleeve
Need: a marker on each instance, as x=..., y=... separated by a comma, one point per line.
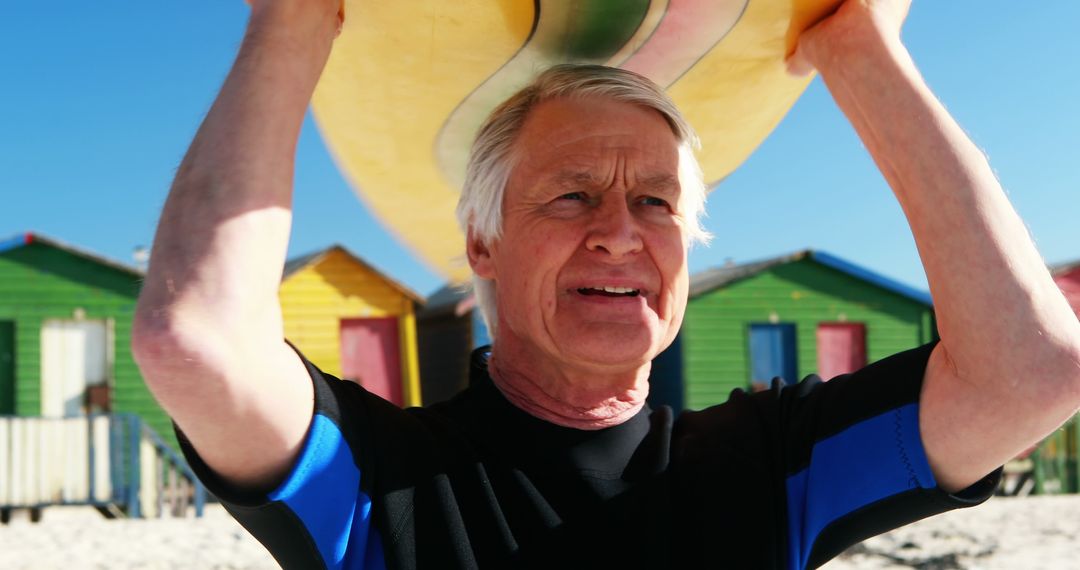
x=320, y=515
x=854, y=463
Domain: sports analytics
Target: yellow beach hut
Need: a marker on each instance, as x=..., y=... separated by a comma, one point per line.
x=353, y=321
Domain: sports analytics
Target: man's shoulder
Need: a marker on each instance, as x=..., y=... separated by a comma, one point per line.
x=808, y=410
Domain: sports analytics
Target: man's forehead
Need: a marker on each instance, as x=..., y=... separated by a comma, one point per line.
x=575, y=142
x=574, y=177
x=593, y=116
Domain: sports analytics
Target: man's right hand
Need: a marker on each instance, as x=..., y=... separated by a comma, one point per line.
x=208, y=333
x=296, y=10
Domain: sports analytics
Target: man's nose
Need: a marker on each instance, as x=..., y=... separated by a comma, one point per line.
x=614, y=230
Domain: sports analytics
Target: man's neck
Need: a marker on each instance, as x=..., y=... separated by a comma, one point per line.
x=579, y=399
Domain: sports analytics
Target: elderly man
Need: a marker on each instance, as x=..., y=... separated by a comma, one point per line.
x=581, y=201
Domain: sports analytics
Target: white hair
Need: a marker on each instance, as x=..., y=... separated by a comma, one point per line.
x=491, y=158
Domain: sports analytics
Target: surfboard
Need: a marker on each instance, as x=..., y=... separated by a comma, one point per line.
x=408, y=84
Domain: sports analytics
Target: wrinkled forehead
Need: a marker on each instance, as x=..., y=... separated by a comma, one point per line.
x=590, y=114
x=585, y=137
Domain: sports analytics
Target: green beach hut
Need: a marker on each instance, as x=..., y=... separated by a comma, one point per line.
x=790, y=316
x=65, y=333
x=77, y=423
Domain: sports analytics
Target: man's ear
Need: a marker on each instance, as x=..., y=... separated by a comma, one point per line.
x=479, y=254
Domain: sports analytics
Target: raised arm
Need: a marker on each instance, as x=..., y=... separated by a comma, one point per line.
x=1007, y=370
x=207, y=333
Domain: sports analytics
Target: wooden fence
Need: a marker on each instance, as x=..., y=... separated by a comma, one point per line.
x=114, y=462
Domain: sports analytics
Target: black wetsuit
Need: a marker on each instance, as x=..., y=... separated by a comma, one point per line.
x=784, y=478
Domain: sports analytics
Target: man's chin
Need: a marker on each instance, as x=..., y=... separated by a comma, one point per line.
x=611, y=353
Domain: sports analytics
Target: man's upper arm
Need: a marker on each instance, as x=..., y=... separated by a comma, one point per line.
x=854, y=463
x=318, y=513
x=244, y=406
x=969, y=428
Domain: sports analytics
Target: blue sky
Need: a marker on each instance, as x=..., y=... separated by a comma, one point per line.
x=100, y=99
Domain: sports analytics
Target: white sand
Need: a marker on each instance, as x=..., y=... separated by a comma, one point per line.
x=1035, y=533
x=78, y=538
x=1016, y=534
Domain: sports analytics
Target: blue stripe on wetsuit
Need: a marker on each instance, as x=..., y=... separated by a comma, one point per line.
x=869, y=461
x=323, y=491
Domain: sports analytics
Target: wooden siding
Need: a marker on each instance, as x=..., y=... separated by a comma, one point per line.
x=40, y=282
x=804, y=293
x=444, y=345
x=317, y=297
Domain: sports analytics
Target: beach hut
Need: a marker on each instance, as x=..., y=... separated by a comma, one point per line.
x=353, y=321
x=77, y=423
x=65, y=333
x=449, y=327
x=1067, y=277
x=1053, y=466
x=790, y=316
x=445, y=339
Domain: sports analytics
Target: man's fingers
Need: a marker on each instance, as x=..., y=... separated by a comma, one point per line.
x=798, y=66
x=340, y=18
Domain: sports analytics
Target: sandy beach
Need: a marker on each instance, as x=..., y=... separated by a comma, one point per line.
x=1037, y=533
x=1034, y=533
x=78, y=538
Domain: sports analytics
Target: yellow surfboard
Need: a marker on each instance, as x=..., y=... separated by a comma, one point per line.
x=408, y=84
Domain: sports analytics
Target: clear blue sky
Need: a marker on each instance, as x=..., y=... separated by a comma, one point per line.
x=100, y=99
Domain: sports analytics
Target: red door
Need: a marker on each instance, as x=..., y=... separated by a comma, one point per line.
x=841, y=348
x=370, y=356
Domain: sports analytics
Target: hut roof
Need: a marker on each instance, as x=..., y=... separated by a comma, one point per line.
x=28, y=238
x=448, y=299
x=1062, y=268
x=300, y=262
x=711, y=279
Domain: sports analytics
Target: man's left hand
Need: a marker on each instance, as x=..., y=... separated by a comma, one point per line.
x=848, y=27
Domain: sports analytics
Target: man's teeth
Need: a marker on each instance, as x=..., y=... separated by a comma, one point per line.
x=610, y=289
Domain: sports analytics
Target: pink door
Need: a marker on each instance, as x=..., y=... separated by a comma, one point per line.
x=370, y=356
x=841, y=348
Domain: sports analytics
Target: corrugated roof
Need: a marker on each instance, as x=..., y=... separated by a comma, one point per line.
x=297, y=263
x=28, y=238
x=705, y=281
x=711, y=279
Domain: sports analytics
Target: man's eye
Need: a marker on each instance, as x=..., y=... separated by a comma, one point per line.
x=653, y=201
x=572, y=196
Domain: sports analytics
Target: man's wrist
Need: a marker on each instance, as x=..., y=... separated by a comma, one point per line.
x=856, y=49
x=313, y=23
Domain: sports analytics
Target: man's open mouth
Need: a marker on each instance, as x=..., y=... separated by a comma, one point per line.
x=607, y=291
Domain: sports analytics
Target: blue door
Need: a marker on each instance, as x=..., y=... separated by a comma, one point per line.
x=772, y=353
x=666, y=384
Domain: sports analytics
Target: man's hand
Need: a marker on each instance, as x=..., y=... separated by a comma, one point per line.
x=297, y=10
x=852, y=23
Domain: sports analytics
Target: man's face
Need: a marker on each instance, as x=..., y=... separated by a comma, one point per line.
x=590, y=270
